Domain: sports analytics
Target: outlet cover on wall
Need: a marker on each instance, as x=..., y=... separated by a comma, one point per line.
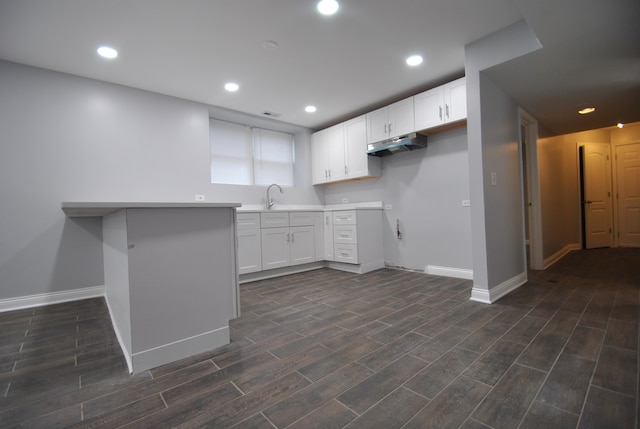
x=388, y=207
x=466, y=203
x=345, y=200
x=200, y=197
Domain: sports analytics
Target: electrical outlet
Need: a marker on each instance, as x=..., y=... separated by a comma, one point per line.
x=345, y=200
x=494, y=178
x=466, y=203
x=200, y=197
x=388, y=207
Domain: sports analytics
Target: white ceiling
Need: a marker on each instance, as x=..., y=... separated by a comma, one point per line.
x=346, y=64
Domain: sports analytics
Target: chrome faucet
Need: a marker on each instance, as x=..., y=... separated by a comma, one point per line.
x=269, y=202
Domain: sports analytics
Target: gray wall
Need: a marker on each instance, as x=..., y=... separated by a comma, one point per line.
x=425, y=189
x=492, y=125
x=66, y=138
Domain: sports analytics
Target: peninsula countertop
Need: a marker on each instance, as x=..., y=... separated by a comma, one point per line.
x=87, y=209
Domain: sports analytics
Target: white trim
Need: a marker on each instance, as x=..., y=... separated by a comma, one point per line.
x=123, y=346
x=279, y=272
x=460, y=273
x=21, y=302
x=492, y=295
x=180, y=349
x=560, y=254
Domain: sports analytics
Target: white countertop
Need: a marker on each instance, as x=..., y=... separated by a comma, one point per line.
x=371, y=205
x=81, y=209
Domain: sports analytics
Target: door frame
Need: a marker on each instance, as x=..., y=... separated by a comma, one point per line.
x=532, y=182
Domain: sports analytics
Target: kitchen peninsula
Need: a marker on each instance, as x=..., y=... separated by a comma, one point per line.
x=170, y=276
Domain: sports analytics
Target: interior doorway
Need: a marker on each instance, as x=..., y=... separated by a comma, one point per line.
x=595, y=193
x=628, y=194
x=530, y=185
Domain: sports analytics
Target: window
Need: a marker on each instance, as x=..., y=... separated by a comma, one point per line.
x=243, y=155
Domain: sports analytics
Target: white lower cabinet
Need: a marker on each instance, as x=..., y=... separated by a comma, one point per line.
x=348, y=240
x=282, y=247
x=357, y=239
x=249, y=243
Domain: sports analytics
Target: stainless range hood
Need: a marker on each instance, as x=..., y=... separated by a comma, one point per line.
x=398, y=144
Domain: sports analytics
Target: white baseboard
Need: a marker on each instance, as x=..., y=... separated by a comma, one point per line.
x=181, y=349
x=560, y=254
x=495, y=293
x=21, y=302
x=459, y=273
x=123, y=346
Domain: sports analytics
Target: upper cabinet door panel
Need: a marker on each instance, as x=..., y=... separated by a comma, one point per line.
x=401, y=118
x=456, y=95
x=377, y=125
x=428, y=108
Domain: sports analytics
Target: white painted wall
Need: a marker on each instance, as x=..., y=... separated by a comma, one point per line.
x=425, y=188
x=66, y=138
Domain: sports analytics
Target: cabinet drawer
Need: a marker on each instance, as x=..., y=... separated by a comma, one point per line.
x=247, y=220
x=274, y=219
x=345, y=234
x=346, y=253
x=302, y=218
x=344, y=217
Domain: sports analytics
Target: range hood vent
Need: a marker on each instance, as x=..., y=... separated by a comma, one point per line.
x=404, y=143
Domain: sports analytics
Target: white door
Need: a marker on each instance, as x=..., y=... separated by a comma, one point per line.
x=378, y=125
x=355, y=144
x=336, y=153
x=597, y=195
x=319, y=157
x=302, y=245
x=275, y=248
x=401, y=120
x=628, y=169
x=249, y=251
x=429, y=108
x=328, y=236
x=456, y=100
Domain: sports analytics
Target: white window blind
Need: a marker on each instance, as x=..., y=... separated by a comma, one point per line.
x=273, y=157
x=242, y=155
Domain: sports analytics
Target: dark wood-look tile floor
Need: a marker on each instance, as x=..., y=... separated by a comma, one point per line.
x=328, y=349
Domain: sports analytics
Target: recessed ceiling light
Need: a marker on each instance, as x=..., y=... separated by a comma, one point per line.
x=414, y=60
x=231, y=86
x=620, y=125
x=328, y=7
x=310, y=109
x=587, y=110
x=107, y=52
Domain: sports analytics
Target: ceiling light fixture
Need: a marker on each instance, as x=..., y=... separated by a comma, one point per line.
x=587, y=110
x=107, y=52
x=328, y=7
x=231, y=86
x=414, y=60
x=310, y=109
x=620, y=125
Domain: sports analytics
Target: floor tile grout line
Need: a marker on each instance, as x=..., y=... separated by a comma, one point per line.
x=597, y=362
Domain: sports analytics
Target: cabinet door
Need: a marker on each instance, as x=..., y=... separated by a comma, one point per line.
x=335, y=152
x=401, y=118
x=377, y=125
x=455, y=94
x=275, y=248
x=328, y=236
x=429, y=108
x=249, y=251
x=319, y=157
x=302, y=245
x=355, y=143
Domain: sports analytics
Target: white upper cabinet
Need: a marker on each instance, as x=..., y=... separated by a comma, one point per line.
x=390, y=121
x=327, y=150
x=442, y=105
x=340, y=153
x=358, y=163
